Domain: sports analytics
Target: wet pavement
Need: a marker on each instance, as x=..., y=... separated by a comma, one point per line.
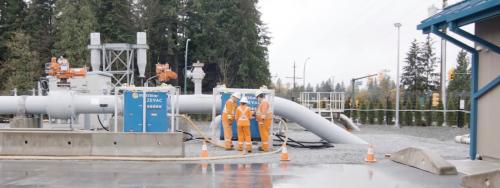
x=165, y=174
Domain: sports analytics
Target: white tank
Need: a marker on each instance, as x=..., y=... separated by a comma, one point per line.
x=141, y=53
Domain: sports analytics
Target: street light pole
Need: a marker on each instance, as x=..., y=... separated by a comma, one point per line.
x=185, y=65
x=304, y=74
x=443, y=72
x=398, y=26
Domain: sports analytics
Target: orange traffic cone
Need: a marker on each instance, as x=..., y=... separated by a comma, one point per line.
x=204, y=150
x=284, y=153
x=370, y=156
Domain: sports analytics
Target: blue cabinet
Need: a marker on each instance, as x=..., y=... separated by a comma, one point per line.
x=252, y=103
x=157, y=119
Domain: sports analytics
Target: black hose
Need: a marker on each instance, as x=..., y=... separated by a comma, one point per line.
x=99, y=119
x=303, y=144
x=191, y=137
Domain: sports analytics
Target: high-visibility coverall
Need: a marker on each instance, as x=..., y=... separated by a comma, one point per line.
x=264, y=118
x=227, y=122
x=243, y=115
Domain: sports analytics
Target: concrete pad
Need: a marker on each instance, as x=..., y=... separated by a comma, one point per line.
x=486, y=179
x=138, y=144
x=71, y=143
x=469, y=167
x=45, y=143
x=424, y=159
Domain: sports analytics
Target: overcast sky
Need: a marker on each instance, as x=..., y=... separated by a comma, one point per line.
x=343, y=38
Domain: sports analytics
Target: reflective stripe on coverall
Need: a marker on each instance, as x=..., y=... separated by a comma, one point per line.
x=227, y=122
x=264, y=119
x=243, y=115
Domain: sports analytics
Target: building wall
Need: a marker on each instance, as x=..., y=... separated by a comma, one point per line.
x=489, y=105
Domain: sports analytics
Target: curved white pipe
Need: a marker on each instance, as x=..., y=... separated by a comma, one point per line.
x=284, y=108
x=347, y=122
x=314, y=122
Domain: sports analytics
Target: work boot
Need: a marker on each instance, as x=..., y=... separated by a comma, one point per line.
x=229, y=148
x=249, y=151
x=260, y=148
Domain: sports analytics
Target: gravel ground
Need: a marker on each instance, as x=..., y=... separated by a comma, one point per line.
x=385, y=140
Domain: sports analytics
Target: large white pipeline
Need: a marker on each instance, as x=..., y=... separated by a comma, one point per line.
x=59, y=104
x=284, y=108
x=65, y=104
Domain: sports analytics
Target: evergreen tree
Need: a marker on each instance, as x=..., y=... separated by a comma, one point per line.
x=75, y=20
x=371, y=113
x=428, y=114
x=12, y=13
x=339, y=87
x=38, y=25
x=363, y=115
x=347, y=105
x=21, y=68
x=231, y=35
x=451, y=117
x=413, y=78
x=115, y=18
x=309, y=88
x=438, y=118
x=428, y=62
x=389, y=113
x=162, y=21
x=461, y=81
x=408, y=115
x=380, y=114
x=418, y=114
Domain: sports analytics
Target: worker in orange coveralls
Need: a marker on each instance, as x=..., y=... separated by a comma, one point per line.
x=243, y=115
x=264, y=118
x=228, y=119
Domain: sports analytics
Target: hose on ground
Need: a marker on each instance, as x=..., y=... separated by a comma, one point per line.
x=190, y=136
x=303, y=144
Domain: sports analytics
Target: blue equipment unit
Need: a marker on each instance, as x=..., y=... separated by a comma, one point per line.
x=252, y=103
x=157, y=119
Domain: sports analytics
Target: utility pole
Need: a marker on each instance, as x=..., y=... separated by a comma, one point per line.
x=294, y=77
x=304, y=74
x=443, y=70
x=398, y=26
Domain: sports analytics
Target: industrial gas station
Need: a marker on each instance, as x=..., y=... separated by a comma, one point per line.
x=99, y=127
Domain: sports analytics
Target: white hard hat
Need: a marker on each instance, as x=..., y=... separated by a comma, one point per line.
x=259, y=92
x=244, y=100
x=236, y=94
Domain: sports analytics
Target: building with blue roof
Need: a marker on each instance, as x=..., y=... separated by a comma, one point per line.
x=485, y=66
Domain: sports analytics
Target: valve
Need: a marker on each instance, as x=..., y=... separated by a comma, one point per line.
x=60, y=69
x=164, y=73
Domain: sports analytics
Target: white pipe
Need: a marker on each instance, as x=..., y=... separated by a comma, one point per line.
x=36, y=104
x=347, y=122
x=66, y=104
x=10, y=104
x=314, y=122
x=284, y=108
